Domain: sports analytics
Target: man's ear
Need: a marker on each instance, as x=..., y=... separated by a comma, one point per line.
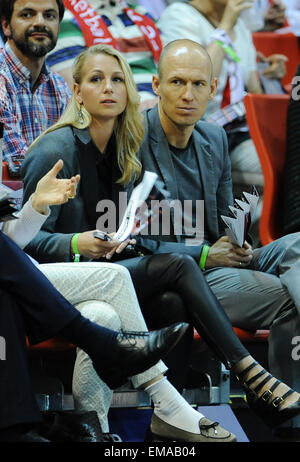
x=213, y=88
x=6, y=28
x=155, y=84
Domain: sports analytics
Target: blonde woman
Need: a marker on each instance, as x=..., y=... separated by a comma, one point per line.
x=86, y=136
x=97, y=137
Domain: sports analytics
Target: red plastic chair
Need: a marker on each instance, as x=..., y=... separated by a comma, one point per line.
x=266, y=117
x=12, y=183
x=245, y=336
x=53, y=344
x=287, y=44
x=5, y=175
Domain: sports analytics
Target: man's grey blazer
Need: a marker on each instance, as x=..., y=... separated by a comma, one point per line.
x=210, y=143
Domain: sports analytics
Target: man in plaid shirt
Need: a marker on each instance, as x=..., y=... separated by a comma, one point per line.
x=31, y=97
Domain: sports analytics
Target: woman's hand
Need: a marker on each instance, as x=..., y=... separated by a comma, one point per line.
x=122, y=246
x=231, y=13
x=53, y=191
x=95, y=248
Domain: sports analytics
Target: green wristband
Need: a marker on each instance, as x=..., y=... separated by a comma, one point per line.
x=74, y=244
x=229, y=50
x=203, y=257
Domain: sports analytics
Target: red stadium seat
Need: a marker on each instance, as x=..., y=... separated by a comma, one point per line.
x=12, y=183
x=287, y=44
x=5, y=175
x=266, y=117
x=54, y=345
x=246, y=336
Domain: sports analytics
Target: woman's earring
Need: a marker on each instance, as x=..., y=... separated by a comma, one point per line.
x=80, y=116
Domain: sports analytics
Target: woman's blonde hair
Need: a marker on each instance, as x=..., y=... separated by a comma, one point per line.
x=129, y=126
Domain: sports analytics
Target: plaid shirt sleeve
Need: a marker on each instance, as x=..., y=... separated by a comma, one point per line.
x=14, y=144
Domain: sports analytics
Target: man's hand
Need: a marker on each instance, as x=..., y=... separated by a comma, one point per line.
x=277, y=68
x=223, y=253
x=95, y=248
x=53, y=191
x=274, y=16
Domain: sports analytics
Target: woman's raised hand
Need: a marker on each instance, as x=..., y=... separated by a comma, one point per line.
x=231, y=12
x=54, y=191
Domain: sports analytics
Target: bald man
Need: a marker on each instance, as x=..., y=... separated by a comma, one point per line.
x=257, y=288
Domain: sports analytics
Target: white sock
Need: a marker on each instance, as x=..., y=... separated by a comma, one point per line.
x=172, y=408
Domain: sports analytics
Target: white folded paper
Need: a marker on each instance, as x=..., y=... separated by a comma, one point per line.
x=241, y=215
x=142, y=206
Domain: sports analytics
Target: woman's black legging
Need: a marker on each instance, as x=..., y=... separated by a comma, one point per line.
x=180, y=273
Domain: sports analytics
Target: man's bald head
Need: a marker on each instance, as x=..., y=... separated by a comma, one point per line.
x=182, y=47
x=184, y=85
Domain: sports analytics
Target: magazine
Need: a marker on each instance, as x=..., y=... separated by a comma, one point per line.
x=240, y=217
x=142, y=207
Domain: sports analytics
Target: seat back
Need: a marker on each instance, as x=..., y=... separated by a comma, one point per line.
x=14, y=183
x=287, y=44
x=266, y=117
x=4, y=172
